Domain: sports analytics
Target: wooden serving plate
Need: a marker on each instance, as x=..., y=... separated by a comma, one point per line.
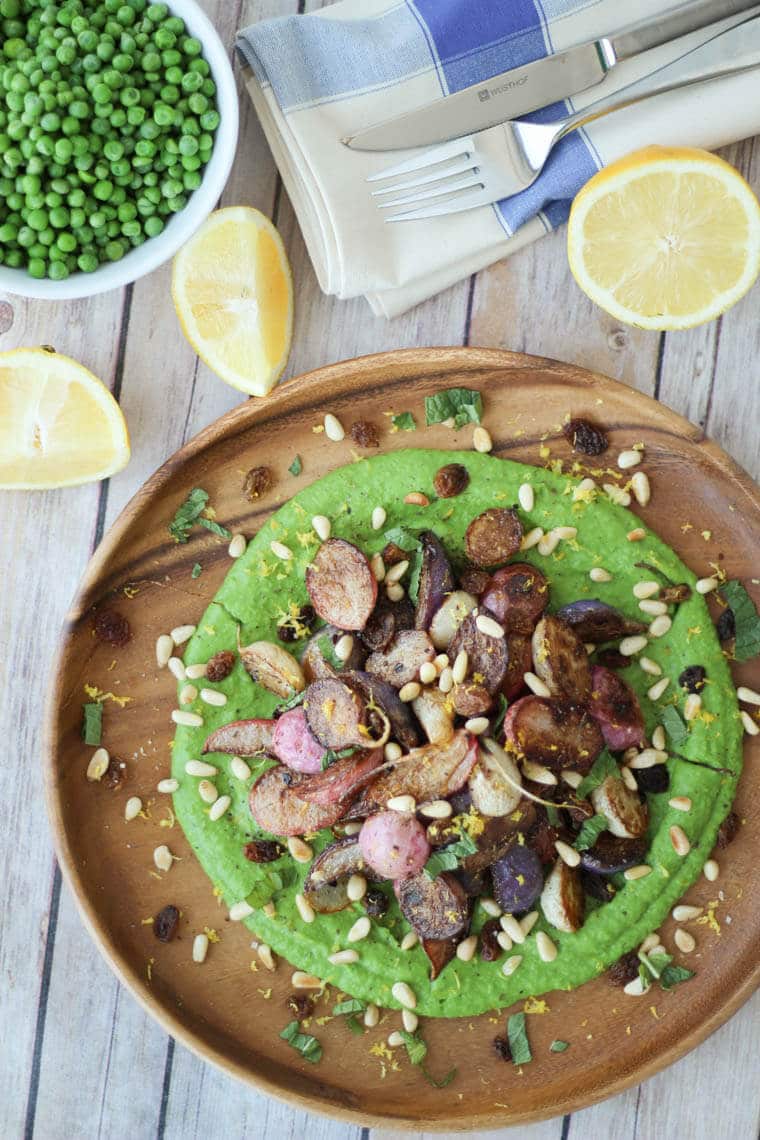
x=218, y=1008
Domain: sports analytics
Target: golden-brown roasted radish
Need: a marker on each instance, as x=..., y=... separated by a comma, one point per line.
x=561, y=661
x=326, y=885
x=627, y=814
x=550, y=732
x=519, y=662
x=517, y=595
x=449, y=616
x=493, y=537
x=341, y=584
x=386, y=620
x=440, y=951
x=562, y=899
x=273, y=667
x=338, y=716
x=486, y=655
x=277, y=807
x=436, y=908
x=434, y=712
x=403, y=658
x=492, y=794
x=242, y=737
x=595, y=621
x=338, y=780
x=432, y=772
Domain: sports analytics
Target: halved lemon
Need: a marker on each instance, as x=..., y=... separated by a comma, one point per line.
x=59, y=424
x=233, y=292
x=665, y=238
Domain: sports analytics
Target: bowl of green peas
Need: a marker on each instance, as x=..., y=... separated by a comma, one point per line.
x=118, y=128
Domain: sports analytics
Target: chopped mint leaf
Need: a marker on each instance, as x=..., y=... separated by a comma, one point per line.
x=405, y=421
x=501, y=712
x=408, y=541
x=303, y=1043
x=353, y=1005
x=590, y=832
x=292, y=702
x=517, y=1033
x=444, y=1081
x=296, y=466
x=463, y=405
x=92, y=723
x=605, y=765
x=746, y=618
x=196, y=571
x=188, y=514
x=266, y=886
x=355, y=1025
x=671, y=721
x=415, y=1047
x=553, y=816
x=447, y=859
x=674, y=975
x=215, y=527
x=659, y=964
x=331, y=756
x=654, y=963
x=559, y=1046
x=327, y=649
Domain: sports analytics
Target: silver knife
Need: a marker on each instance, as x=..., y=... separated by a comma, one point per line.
x=537, y=84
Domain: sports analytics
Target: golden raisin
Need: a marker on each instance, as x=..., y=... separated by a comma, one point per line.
x=220, y=665
x=364, y=434
x=112, y=627
x=450, y=480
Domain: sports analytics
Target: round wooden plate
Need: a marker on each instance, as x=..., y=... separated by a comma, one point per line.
x=223, y=1010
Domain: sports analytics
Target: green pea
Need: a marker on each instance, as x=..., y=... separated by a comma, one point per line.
x=191, y=180
x=58, y=271
x=98, y=220
x=151, y=61
x=63, y=150
x=102, y=190
x=14, y=258
x=59, y=217
x=129, y=97
x=135, y=115
x=153, y=226
x=37, y=219
x=77, y=217
x=87, y=262
x=66, y=242
x=26, y=236
x=198, y=103
x=8, y=232
x=36, y=267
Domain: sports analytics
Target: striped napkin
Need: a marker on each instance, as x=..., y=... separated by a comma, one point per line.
x=316, y=78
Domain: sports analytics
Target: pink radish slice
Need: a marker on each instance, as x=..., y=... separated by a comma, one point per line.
x=294, y=744
x=394, y=844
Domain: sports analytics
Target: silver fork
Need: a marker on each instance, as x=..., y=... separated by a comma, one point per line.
x=503, y=160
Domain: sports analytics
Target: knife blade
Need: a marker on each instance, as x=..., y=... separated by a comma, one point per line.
x=537, y=84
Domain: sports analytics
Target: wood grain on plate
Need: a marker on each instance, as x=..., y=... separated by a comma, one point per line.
x=218, y=1008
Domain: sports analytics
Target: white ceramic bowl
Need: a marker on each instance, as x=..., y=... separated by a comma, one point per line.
x=155, y=251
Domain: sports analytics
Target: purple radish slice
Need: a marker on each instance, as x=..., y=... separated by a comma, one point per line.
x=615, y=706
x=402, y=660
x=394, y=844
x=376, y=693
x=518, y=879
x=611, y=854
x=436, y=908
x=499, y=835
x=242, y=738
x=386, y=620
x=338, y=717
x=294, y=744
x=341, y=585
x=326, y=885
x=519, y=662
x=436, y=580
x=595, y=621
x=517, y=595
x=487, y=656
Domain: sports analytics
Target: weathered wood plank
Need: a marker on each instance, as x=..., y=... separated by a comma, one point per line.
x=545, y=1130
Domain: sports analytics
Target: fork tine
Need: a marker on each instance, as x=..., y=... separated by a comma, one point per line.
x=453, y=204
x=467, y=182
x=457, y=148
x=466, y=163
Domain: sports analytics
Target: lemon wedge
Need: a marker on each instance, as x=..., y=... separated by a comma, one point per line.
x=665, y=238
x=59, y=424
x=233, y=292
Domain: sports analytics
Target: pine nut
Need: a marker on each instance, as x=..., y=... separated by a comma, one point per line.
x=649, y=942
x=565, y=533
x=322, y=525
x=344, y=647
x=640, y=871
x=239, y=768
x=189, y=719
x=680, y=840
x=371, y=1016
x=653, y=607
x=303, y=981
x=691, y=706
x=582, y=490
x=685, y=913
x=417, y=499
x=269, y=909
x=599, y=574
x=572, y=779
x=658, y=689
x=539, y=774
x=207, y=791
x=237, y=546
x=409, y=940
x=504, y=941
x=658, y=738
x=392, y=751
x=481, y=439
x=395, y=1039
x=395, y=591
x=646, y=589
x=536, y=685
x=353, y=827
x=706, y=585
x=711, y=870
x=377, y=566
x=164, y=649
x=409, y=692
x=428, y=672
x=638, y=534
x=356, y=888
x=547, y=951
x=685, y=941
x=477, y=725
x=218, y=808
x=280, y=550
x=343, y=958
x=200, y=948
x=409, y=1020
x=642, y=492
x=616, y=494
x=526, y=497
x=397, y=571
x=436, y=809
x=240, y=910
x=182, y=633
x=548, y=544
x=195, y=672
x=299, y=850
x=306, y=911
x=511, y=926
x=532, y=538
x=379, y=516
x=648, y=757
x=132, y=808
x=491, y=907
x=629, y=646
x=441, y=661
x=163, y=858
x=359, y=930
x=751, y=726
x=628, y=459
x=488, y=626
x=404, y=804
x=187, y=694
x=459, y=668
x=177, y=667
x=567, y=853
x=511, y=965
x=404, y=995
x=213, y=697
x=629, y=779
x=636, y=988
x=446, y=681
x=334, y=428
x=680, y=803
x=466, y=948
x=660, y=626
x=749, y=696
x=98, y=765
x=200, y=768
x=528, y=922
x=266, y=957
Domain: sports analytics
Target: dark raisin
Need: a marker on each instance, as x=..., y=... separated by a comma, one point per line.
x=597, y=886
x=257, y=481
x=364, y=434
x=461, y=802
x=490, y=949
x=263, y=850
x=112, y=627
x=474, y=581
x=393, y=554
x=586, y=437
x=727, y=830
x=450, y=480
x=578, y=810
x=674, y=595
x=501, y=1048
x=726, y=625
x=307, y=615
x=165, y=923
x=287, y=632
x=301, y=1006
x=625, y=969
x=298, y=625
x=375, y=902
x=220, y=665
x=693, y=679
x=612, y=659
x=116, y=774
x=652, y=781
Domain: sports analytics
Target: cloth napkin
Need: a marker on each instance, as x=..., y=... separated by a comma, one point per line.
x=318, y=77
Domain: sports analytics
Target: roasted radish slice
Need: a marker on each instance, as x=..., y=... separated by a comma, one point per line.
x=448, y=618
x=386, y=620
x=471, y=699
x=382, y=700
x=337, y=715
x=562, y=899
x=517, y=595
x=595, y=621
x=440, y=951
x=561, y=661
x=486, y=655
x=326, y=885
x=432, y=772
x=519, y=662
x=517, y=879
x=402, y=660
x=615, y=706
x=436, y=580
x=499, y=835
x=318, y=658
x=627, y=815
x=433, y=710
x=341, y=584
x=339, y=780
x=278, y=809
x=553, y=733
x=394, y=844
x=493, y=537
x=294, y=744
x=611, y=854
x=242, y=738
x=492, y=794
x=436, y=908
x=273, y=667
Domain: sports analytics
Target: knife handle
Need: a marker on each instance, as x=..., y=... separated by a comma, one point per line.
x=679, y=22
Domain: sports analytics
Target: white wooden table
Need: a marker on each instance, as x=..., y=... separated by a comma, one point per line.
x=78, y=1057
